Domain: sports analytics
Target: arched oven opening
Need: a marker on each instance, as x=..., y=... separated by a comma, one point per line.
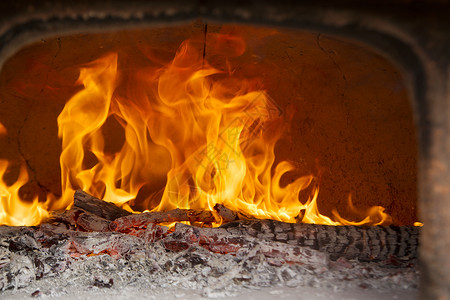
x=283, y=142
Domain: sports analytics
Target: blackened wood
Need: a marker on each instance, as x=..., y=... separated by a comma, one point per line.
x=30, y=253
x=365, y=243
x=103, y=209
x=176, y=215
x=389, y=244
x=67, y=217
x=78, y=217
x=91, y=222
x=229, y=215
x=280, y=242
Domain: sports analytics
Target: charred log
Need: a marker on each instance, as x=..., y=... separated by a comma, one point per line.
x=28, y=254
x=365, y=243
x=176, y=215
x=100, y=208
x=79, y=218
x=229, y=215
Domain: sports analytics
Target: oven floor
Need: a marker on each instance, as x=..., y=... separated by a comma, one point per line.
x=280, y=293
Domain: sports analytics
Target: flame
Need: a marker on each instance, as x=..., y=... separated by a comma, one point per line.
x=79, y=124
x=374, y=215
x=210, y=136
x=13, y=210
x=220, y=139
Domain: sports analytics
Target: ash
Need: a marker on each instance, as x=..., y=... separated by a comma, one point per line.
x=50, y=261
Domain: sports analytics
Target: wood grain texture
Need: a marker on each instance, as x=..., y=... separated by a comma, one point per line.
x=365, y=243
x=98, y=207
x=176, y=215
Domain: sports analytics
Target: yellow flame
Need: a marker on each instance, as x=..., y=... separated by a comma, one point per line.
x=13, y=210
x=212, y=141
x=79, y=125
x=220, y=140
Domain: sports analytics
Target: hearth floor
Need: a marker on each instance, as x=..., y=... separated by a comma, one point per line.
x=48, y=291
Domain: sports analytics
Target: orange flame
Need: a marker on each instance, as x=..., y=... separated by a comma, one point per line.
x=220, y=140
x=13, y=210
x=212, y=141
x=374, y=215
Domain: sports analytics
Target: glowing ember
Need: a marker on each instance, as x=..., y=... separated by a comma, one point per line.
x=210, y=135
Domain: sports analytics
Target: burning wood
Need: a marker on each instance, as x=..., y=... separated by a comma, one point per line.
x=176, y=215
x=93, y=214
x=230, y=126
x=228, y=215
x=78, y=217
x=90, y=213
x=100, y=208
x=52, y=248
x=365, y=243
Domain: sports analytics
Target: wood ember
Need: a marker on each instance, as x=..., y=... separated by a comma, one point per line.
x=93, y=214
x=91, y=222
x=384, y=244
x=365, y=243
x=100, y=208
x=226, y=241
x=81, y=235
x=68, y=216
x=78, y=217
x=176, y=215
x=242, y=253
x=229, y=215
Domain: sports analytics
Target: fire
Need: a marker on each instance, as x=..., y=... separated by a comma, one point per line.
x=13, y=210
x=212, y=137
x=374, y=215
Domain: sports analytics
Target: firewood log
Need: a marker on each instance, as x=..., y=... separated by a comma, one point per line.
x=229, y=215
x=80, y=218
x=365, y=243
x=176, y=215
x=91, y=222
x=388, y=245
x=100, y=208
x=396, y=244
